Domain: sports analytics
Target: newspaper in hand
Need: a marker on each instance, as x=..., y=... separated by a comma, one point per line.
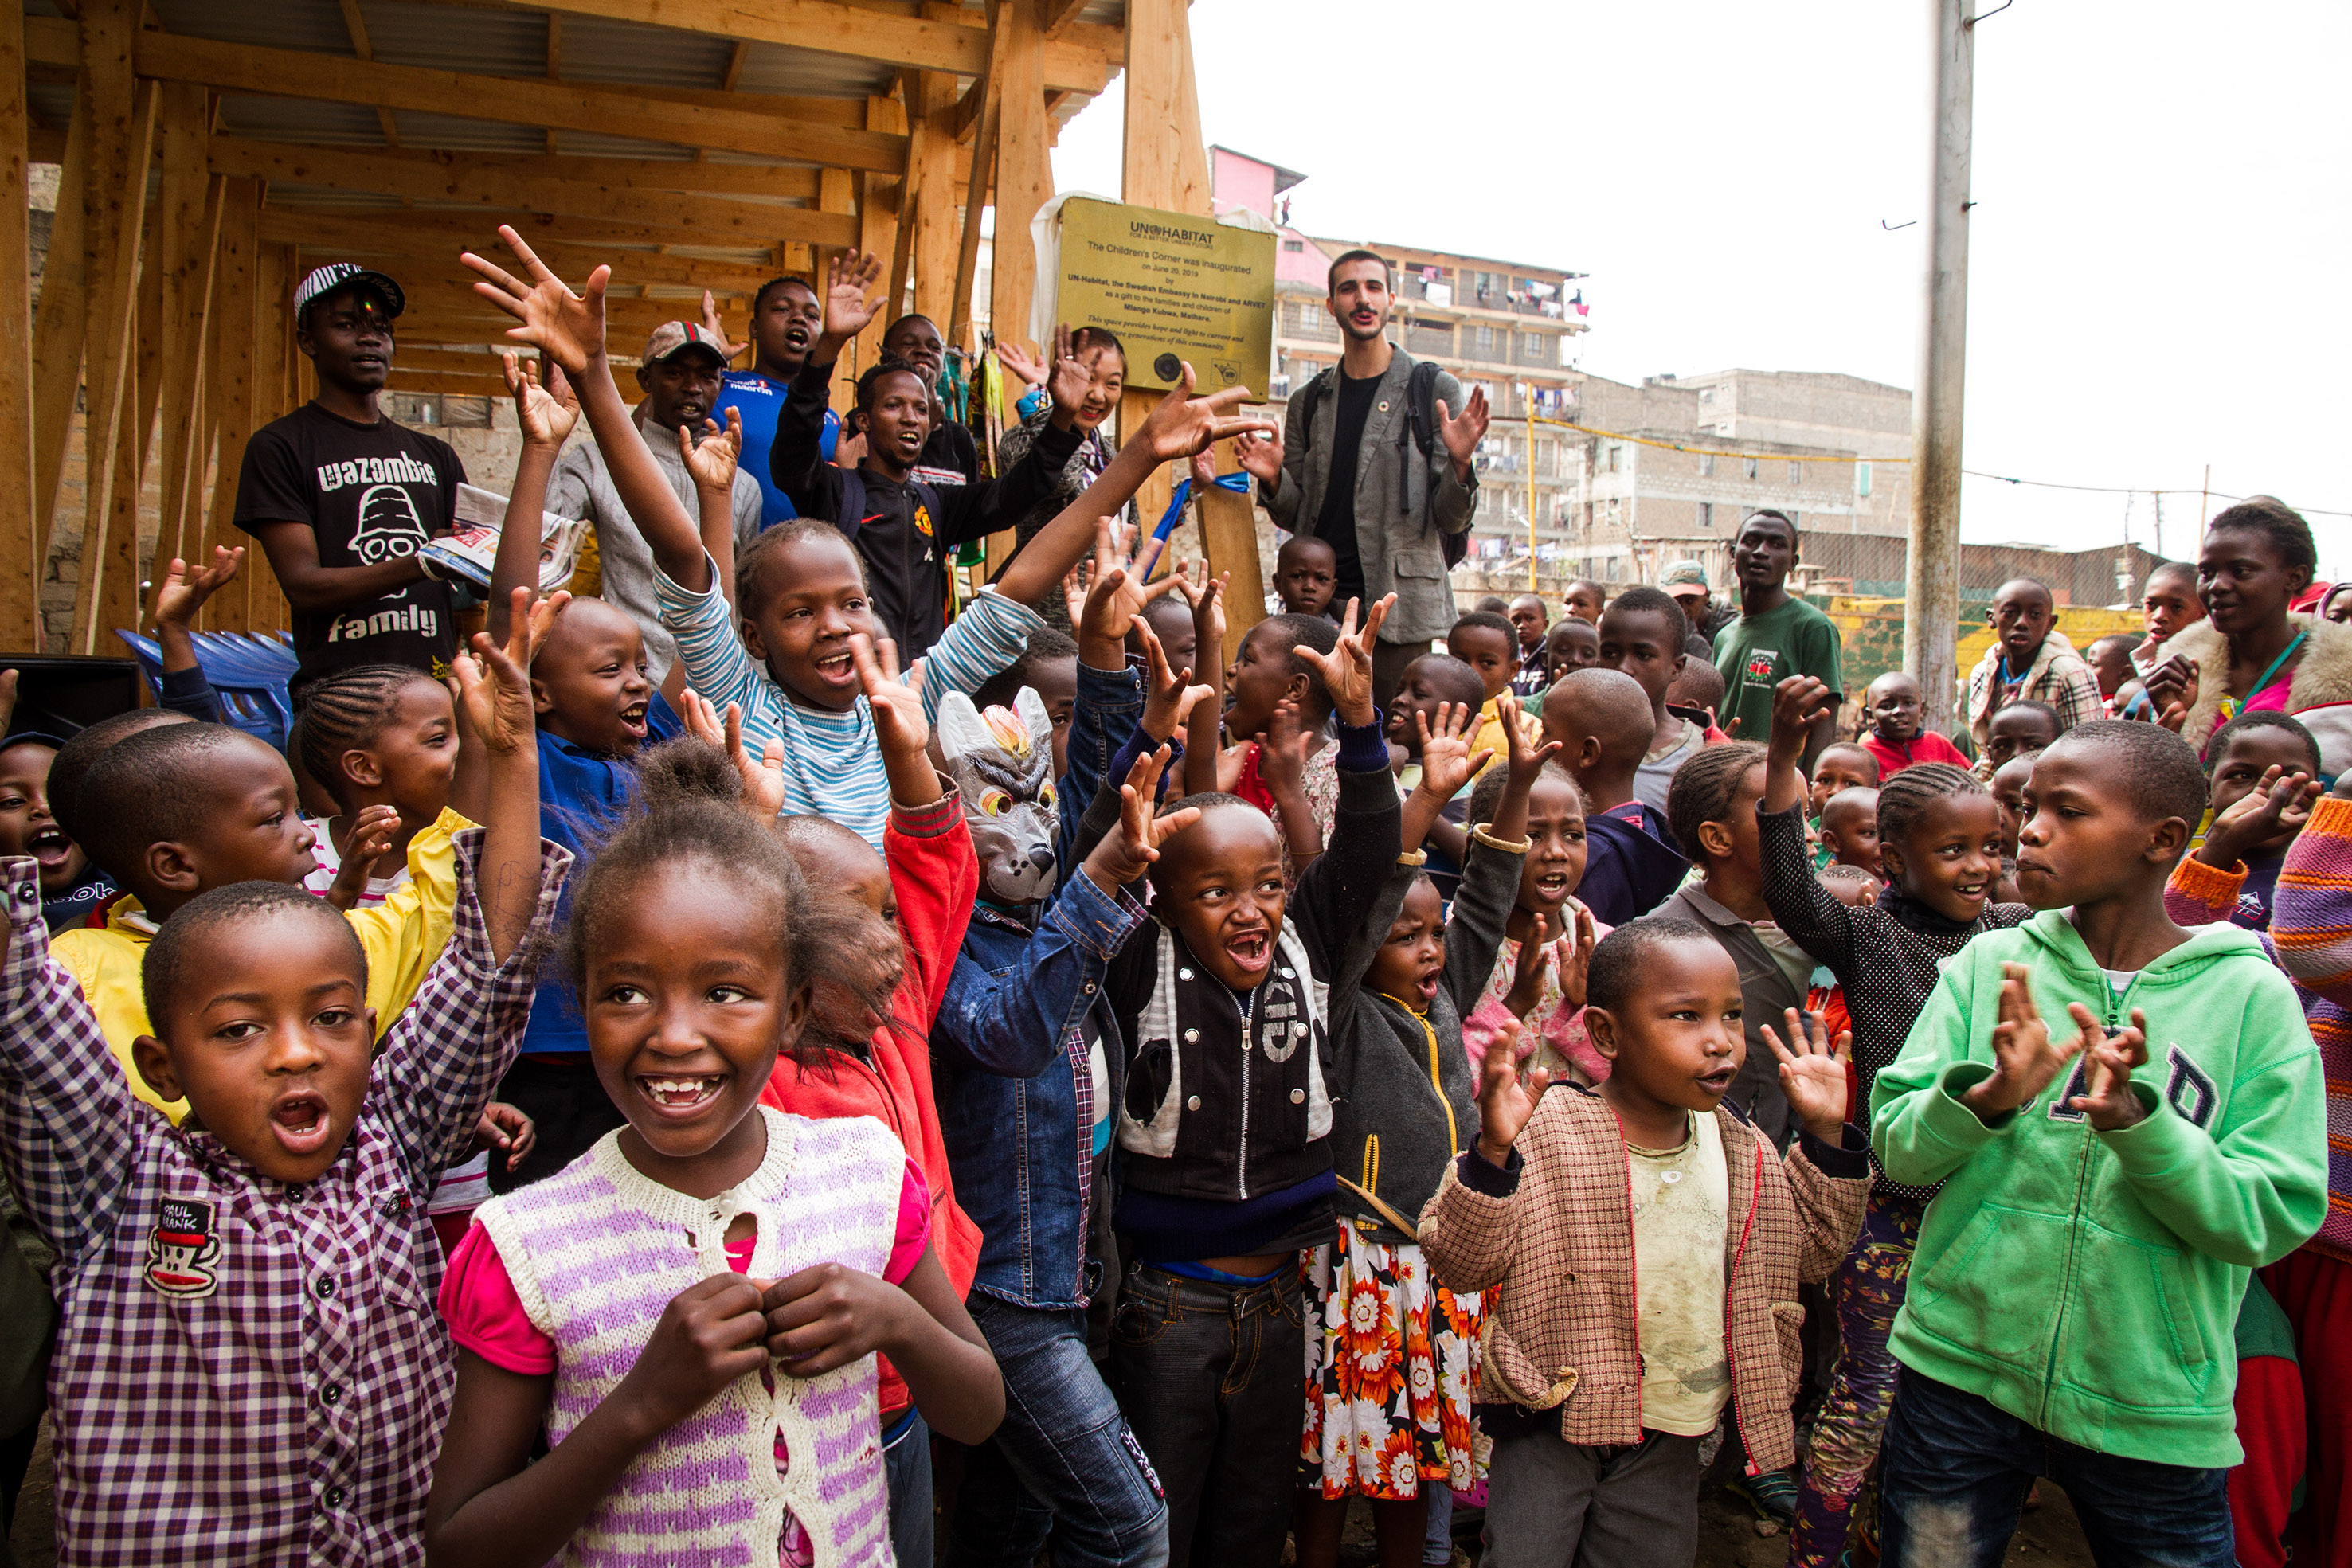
x=468, y=550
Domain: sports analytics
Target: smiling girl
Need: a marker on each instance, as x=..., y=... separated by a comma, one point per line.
x=715, y=1400
x=1940, y=841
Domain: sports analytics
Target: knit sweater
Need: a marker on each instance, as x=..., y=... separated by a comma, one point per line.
x=1886, y=957
x=596, y=1251
x=2311, y=938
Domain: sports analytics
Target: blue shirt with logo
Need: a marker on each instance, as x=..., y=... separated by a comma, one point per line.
x=760, y=400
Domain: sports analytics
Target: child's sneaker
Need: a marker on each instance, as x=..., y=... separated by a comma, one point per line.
x=1772, y=1495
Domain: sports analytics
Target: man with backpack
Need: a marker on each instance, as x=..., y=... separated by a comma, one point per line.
x=1374, y=460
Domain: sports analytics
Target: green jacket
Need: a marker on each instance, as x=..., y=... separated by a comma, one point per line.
x=2087, y=1283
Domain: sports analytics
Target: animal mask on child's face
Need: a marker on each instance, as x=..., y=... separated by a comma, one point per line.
x=1003, y=763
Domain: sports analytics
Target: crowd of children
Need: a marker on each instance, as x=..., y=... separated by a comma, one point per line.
x=596, y=1109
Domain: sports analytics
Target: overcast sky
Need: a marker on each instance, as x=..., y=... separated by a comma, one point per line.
x=2159, y=259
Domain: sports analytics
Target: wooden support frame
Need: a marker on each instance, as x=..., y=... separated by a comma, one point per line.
x=230, y=389
x=191, y=203
x=1024, y=180
x=20, y=609
x=114, y=205
x=57, y=332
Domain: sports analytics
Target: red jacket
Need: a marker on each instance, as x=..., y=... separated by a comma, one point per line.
x=936, y=877
x=1925, y=746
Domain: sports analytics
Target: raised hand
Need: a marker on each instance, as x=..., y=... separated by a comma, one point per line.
x=545, y=412
x=1504, y=1102
x=763, y=780
x=1812, y=1074
x=1798, y=704
x=1535, y=956
x=1526, y=762
x=1069, y=380
x=847, y=306
x=1021, y=364
x=1260, y=454
x=543, y=613
x=183, y=593
x=1183, y=425
x=2172, y=686
x=1282, y=749
x=1347, y=669
x=899, y=721
x=712, y=460
x=1463, y=432
x=2281, y=802
x=2025, y=1059
x=1209, y=616
x=1127, y=854
x=507, y=1127
x=2109, y=1062
x=1577, y=964
x=367, y=841
x=708, y=1336
x=1118, y=594
x=499, y=702
x=566, y=328
x=1446, y=761
x=1168, y=699
x=717, y=328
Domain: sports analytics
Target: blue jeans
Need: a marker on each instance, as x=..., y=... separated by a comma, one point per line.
x=1213, y=1377
x=1063, y=1462
x=1954, y=1472
x=906, y=1467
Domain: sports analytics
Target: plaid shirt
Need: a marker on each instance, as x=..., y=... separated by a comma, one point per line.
x=247, y=1371
x=1556, y=1232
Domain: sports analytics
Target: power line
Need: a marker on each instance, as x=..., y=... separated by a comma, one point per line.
x=2135, y=490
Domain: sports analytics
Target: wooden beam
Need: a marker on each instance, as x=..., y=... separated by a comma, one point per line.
x=20, y=607
x=228, y=398
x=1082, y=60
x=114, y=207
x=356, y=25
x=1025, y=182
x=453, y=178
x=1059, y=14
x=975, y=196
x=782, y=182
x=189, y=201
x=422, y=263
x=877, y=228
x=931, y=172
x=445, y=384
x=57, y=329
x=449, y=319
x=567, y=105
x=442, y=235
x=555, y=63
x=458, y=362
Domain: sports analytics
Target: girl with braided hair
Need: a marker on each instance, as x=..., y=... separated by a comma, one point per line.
x=1939, y=837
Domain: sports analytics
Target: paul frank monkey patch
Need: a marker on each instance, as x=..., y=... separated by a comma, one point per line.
x=372, y=496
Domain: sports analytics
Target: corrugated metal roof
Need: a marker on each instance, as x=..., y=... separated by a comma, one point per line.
x=447, y=37
x=313, y=25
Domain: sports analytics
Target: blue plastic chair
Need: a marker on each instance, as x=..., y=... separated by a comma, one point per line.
x=250, y=675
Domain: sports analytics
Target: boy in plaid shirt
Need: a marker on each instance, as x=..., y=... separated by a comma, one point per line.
x=248, y=1367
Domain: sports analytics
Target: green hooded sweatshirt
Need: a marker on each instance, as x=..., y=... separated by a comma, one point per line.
x=2087, y=1283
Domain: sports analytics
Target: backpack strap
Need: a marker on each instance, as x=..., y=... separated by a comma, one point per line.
x=849, y=511
x=1303, y=407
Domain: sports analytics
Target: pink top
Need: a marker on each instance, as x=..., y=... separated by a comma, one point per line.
x=485, y=1316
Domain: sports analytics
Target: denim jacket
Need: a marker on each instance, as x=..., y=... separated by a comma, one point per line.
x=1006, y=1080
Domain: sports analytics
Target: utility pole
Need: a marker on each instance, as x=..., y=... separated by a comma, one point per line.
x=1931, y=576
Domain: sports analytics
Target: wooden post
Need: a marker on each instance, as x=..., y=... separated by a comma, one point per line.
x=114, y=206
x=1229, y=539
x=983, y=165
x=229, y=396
x=878, y=197
x=19, y=585
x=190, y=199
x=1165, y=165
x=836, y=193
x=930, y=165
x=274, y=383
x=122, y=593
x=57, y=332
x=1025, y=182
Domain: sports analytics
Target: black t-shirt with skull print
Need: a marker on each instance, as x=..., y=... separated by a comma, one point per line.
x=370, y=493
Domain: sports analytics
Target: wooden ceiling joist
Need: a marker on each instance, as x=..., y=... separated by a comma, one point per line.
x=1081, y=58
x=718, y=220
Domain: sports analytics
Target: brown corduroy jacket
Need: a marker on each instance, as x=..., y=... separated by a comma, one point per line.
x=1556, y=1233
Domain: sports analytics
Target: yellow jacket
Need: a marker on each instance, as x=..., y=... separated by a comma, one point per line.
x=1490, y=734
x=402, y=937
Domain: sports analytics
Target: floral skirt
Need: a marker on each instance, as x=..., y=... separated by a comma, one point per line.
x=1391, y=1362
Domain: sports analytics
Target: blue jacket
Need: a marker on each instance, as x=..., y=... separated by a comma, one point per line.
x=1003, y=1072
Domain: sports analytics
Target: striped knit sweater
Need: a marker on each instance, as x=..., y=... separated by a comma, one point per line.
x=597, y=1250
x=2311, y=939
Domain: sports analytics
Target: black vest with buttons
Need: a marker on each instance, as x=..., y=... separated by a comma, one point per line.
x=1227, y=1097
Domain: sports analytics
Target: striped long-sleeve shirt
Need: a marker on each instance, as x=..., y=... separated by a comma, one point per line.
x=833, y=761
x=2310, y=938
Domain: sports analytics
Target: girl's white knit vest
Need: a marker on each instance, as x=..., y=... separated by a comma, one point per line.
x=597, y=1250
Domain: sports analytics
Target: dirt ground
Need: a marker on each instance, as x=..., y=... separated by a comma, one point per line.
x=1728, y=1539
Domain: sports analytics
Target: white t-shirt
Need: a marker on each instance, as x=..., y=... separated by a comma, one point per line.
x=1682, y=1208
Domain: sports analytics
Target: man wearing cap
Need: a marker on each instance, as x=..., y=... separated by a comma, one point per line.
x=342, y=498
x=1686, y=584
x=680, y=375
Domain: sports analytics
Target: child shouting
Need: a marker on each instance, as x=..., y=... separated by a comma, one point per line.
x=269, y=1263
x=716, y=1399
x=2090, y=1244
x=1606, y=1219
x=1939, y=842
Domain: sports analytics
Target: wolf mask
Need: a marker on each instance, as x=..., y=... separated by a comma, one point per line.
x=1001, y=762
